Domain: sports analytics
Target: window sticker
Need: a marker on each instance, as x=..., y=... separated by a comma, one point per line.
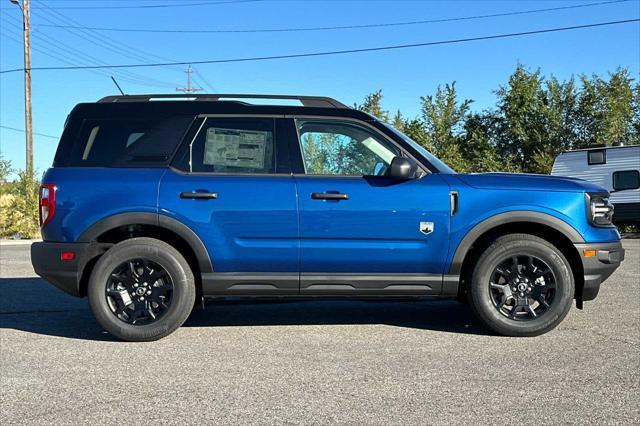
x=235, y=148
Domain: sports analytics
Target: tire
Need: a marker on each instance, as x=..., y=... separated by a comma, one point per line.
x=154, y=265
x=491, y=303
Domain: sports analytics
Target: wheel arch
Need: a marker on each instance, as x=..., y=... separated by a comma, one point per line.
x=550, y=228
x=120, y=227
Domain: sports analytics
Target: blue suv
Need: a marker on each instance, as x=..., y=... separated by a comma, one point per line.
x=155, y=202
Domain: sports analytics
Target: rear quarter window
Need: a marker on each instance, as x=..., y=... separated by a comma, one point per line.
x=123, y=142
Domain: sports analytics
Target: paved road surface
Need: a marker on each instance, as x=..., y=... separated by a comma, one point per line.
x=316, y=362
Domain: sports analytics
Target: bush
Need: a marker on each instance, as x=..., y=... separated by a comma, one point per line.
x=19, y=205
x=5, y=204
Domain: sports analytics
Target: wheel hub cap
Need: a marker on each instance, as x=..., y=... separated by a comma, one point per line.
x=139, y=291
x=522, y=287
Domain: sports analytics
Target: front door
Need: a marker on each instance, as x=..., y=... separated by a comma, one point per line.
x=360, y=232
x=233, y=187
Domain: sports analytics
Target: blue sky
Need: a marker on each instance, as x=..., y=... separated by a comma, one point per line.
x=403, y=75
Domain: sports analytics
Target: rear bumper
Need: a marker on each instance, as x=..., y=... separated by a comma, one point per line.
x=599, y=267
x=64, y=274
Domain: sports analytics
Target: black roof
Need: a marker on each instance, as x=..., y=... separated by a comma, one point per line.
x=147, y=106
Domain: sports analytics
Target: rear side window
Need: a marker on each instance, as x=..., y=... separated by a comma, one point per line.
x=234, y=145
x=128, y=142
x=626, y=179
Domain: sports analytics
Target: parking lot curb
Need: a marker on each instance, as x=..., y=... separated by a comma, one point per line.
x=17, y=242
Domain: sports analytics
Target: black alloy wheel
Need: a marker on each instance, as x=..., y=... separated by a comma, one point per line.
x=139, y=291
x=522, y=287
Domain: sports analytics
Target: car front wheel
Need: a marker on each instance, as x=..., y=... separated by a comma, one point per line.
x=522, y=285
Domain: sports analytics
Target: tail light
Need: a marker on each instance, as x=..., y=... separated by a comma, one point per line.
x=47, y=203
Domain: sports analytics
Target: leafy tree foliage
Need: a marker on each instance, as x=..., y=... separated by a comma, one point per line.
x=373, y=105
x=535, y=118
x=5, y=171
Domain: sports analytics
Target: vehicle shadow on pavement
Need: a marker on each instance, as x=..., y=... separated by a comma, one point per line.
x=437, y=315
x=34, y=306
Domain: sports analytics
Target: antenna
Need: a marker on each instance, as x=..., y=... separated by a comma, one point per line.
x=117, y=85
x=189, y=88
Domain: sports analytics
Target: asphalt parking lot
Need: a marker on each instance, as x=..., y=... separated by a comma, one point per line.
x=355, y=362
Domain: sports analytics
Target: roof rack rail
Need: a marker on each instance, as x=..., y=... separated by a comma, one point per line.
x=308, y=101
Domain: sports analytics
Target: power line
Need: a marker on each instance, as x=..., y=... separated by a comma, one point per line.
x=345, y=27
x=22, y=130
x=106, y=43
x=56, y=49
x=112, y=45
x=151, y=6
x=204, y=80
x=340, y=52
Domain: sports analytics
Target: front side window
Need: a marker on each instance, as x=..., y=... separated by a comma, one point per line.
x=234, y=145
x=342, y=148
x=626, y=179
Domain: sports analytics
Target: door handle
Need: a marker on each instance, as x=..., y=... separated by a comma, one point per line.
x=329, y=196
x=199, y=195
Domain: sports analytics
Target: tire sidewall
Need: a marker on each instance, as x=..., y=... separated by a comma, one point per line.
x=183, y=296
x=497, y=253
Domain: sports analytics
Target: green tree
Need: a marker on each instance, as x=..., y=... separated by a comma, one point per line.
x=444, y=116
x=635, y=120
x=619, y=108
x=607, y=110
x=373, y=105
x=535, y=118
x=479, y=151
x=398, y=121
x=520, y=106
x=5, y=171
x=5, y=168
x=416, y=129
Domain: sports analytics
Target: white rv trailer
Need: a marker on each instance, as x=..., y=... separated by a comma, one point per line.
x=616, y=168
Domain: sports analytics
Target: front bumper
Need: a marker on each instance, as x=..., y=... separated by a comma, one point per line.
x=598, y=268
x=64, y=274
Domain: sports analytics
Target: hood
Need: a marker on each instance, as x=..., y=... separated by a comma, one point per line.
x=528, y=182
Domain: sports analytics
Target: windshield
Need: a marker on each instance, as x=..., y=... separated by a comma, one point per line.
x=442, y=167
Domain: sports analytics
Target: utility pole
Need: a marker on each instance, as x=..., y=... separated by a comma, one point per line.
x=28, y=123
x=189, y=88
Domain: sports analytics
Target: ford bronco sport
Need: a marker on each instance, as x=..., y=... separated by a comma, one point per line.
x=155, y=202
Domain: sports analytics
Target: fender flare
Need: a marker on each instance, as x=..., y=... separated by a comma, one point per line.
x=504, y=218
x=154, y=219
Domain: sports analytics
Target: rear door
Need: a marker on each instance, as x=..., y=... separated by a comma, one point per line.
x=232, y=185
x=360, y=232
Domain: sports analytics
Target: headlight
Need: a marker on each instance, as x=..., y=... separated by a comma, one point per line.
x=599, y=209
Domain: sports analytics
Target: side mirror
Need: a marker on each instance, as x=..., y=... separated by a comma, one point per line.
x=402, y=168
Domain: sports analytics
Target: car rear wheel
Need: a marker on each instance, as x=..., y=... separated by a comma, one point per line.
x=142, y=289
x=522, y=285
